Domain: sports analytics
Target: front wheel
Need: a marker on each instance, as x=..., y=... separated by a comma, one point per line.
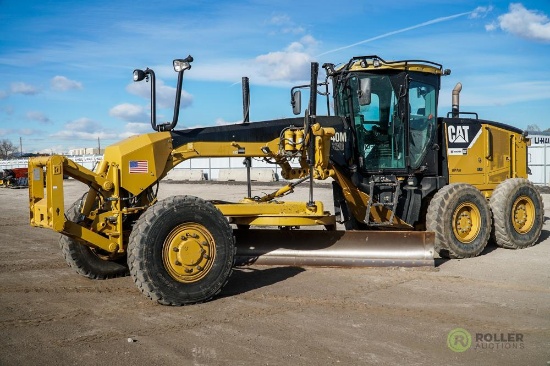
x=518, y=214
x=461, y=219
x=181, y=251
x=87, y=261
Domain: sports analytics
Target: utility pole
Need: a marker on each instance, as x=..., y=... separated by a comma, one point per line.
x=20, y=146
x=98, y=146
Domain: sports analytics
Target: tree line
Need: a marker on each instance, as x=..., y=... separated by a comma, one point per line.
x=7, y=149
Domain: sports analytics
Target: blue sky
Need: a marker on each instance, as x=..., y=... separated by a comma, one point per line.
x=66, y=66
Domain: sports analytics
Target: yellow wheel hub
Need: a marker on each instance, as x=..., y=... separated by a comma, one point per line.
x=188, y=252
x=466, y=222
x=523, y=214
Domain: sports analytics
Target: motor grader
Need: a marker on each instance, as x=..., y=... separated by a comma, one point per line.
x=405, y=183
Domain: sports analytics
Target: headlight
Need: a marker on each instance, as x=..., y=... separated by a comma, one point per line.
x=183, y=64
x=139, y=75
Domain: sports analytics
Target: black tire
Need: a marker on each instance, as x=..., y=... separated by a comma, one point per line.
x=461, y=219
x=164, y=233
x=89, y=262
x=518, y=214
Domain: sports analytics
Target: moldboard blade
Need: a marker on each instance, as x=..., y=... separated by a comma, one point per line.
x=335, y=248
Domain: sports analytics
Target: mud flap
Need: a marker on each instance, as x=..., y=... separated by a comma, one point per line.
x=335, y=248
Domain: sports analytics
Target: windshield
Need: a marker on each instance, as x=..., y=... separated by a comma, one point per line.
x=381, y=129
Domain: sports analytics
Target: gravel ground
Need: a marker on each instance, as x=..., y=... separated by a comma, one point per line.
x=49, y=315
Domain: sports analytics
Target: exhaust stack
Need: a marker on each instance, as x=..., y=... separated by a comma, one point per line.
x=456, y=100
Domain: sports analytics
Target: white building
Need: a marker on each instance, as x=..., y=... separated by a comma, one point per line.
x=538, y=159
x=86, y=151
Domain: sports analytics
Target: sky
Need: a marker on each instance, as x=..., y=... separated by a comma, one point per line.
x=66, y=66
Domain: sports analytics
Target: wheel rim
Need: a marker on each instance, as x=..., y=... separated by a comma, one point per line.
x=466, y=222
x=523, y=214
x=188, y=252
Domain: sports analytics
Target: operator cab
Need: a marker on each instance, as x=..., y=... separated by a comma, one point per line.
x=393, y=108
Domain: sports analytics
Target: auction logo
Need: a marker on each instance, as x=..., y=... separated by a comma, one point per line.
x=459, y=340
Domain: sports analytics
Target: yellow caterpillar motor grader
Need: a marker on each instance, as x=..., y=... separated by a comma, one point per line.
x=405, y=182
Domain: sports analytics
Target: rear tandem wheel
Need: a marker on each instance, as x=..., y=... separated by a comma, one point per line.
x=181, y=251
x=461, y=219
x=518, y=214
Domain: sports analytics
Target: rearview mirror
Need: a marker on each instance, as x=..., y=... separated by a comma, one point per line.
x=365, y=92
x=296, y=102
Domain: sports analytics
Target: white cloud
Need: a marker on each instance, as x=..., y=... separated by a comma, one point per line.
x=525, y=23
x=23, y=88
x=61, y=83
x=39, y=117
x=295, y=47
x=29, y=131
x=491, y=27
x=285, y=24
x=279, y=19
x=276, y=69
x=82, y=135
x=309, y=41
x=165, y=94
x=480, y=12
x=293, y=30
x=129, y=112
x=3, y=94
x=84, y=129
x=284, y=65
x=292, y=64
x=138, y=127
x=82, y=124
x=135, y=128
x=5, y=131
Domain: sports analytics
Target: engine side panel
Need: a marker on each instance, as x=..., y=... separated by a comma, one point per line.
x=484, y=153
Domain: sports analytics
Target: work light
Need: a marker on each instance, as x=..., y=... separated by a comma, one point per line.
x=181, y=65
x=139, y=75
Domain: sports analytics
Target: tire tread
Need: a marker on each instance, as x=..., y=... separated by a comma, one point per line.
x=499, y=234
x=435, y=220
x=83, y=261
x=138, y=270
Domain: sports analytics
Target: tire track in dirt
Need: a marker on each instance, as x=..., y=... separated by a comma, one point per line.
x=24, y=267
x=300, y=304
x=40, y=320
x=376, y=309
x=494, y=284
x=69, y=290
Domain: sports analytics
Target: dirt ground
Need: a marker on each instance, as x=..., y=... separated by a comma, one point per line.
x=49, y=315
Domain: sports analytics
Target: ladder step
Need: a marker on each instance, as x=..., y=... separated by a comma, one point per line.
x=381, y=185
x=372, y=223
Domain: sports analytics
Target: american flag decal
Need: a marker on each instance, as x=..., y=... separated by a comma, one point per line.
x=139, y=166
